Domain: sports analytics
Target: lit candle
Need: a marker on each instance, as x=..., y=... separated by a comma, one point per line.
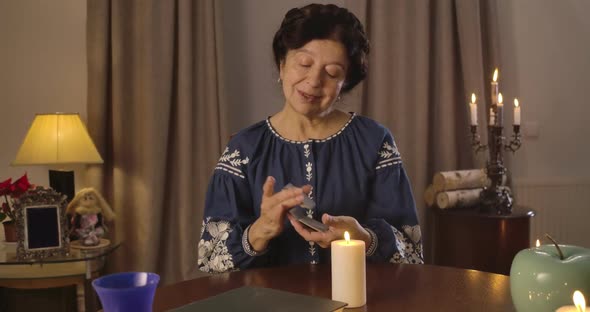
x=516, y=113
x=495, y=88
x=500, y=110
x=579, y=304
x=492, y=117
x=348, y=271
x=538, y=243
x=473, y=110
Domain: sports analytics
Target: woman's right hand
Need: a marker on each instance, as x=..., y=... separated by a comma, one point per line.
x=273, y=210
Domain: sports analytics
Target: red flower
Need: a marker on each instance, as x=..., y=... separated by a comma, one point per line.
x=13, y=190
x=5, y=187
x=20, y=186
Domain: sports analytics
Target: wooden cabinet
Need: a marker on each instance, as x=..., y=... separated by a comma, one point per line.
x=467, y=238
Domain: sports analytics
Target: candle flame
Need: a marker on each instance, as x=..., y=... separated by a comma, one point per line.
x=579, y=301
x=496, y=75
x=515, y=102
x=538, y=243
x=500, y=99
x=472, y=97
x=347, y=237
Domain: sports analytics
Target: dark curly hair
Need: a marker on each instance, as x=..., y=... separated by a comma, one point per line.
x=319, y=21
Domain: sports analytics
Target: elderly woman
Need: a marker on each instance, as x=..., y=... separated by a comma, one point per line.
x=347, y=164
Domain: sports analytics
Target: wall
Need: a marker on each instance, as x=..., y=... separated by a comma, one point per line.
x=42, y=70
x=544, y=52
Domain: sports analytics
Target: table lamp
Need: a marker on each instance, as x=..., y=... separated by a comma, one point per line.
x=58, y=139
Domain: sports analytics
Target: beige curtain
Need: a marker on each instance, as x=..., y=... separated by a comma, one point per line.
x=156, y=112
x=427, y=57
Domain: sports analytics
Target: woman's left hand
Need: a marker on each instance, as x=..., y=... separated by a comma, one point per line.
x=337, y=225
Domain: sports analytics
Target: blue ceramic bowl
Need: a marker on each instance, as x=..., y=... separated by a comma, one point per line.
x=129, y=291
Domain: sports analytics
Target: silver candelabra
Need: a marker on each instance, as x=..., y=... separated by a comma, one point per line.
x=495, y=197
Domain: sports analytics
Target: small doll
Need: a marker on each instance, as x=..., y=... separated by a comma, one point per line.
x=89, y=210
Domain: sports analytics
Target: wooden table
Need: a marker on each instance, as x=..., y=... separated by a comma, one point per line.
x=390, y=287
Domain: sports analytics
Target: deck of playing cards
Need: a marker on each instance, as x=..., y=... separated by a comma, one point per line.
x=300, y=214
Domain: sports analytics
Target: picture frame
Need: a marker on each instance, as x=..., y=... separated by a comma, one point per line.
x=41, y=224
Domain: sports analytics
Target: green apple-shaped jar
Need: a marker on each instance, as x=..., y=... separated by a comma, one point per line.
x=540, y=280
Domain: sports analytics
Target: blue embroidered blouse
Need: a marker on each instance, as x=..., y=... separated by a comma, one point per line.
x=356, y=172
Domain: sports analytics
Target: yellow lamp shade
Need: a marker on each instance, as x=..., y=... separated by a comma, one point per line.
x=57, y=139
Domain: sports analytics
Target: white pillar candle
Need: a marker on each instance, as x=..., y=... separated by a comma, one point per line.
x=516, y=113
x=473, y=110
x=348, y=272
x=579, y=301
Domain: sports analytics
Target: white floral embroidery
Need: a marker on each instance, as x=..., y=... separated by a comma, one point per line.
x=309, y=212
x=231, y=162
x=388, y=151
x=213, y=254
x=306, y=150
x=388, y=156
x=309, y=174
x=409, y=245
x=312, y=248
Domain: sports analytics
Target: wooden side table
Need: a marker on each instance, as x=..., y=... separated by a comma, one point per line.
x=467, y=238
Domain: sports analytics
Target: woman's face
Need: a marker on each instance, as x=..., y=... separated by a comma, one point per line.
x=313, y=76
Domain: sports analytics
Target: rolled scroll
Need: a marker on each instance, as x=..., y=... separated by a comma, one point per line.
x=430, y=196
x=460, y=179
x=459, y=198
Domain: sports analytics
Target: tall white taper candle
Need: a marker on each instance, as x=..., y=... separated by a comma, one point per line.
x=495, y=88
x=516, y=113
x=473, y=110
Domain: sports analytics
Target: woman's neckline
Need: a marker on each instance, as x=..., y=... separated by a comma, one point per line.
x=337, y=133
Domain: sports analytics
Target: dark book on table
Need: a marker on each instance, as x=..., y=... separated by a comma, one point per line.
x=245, y=299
